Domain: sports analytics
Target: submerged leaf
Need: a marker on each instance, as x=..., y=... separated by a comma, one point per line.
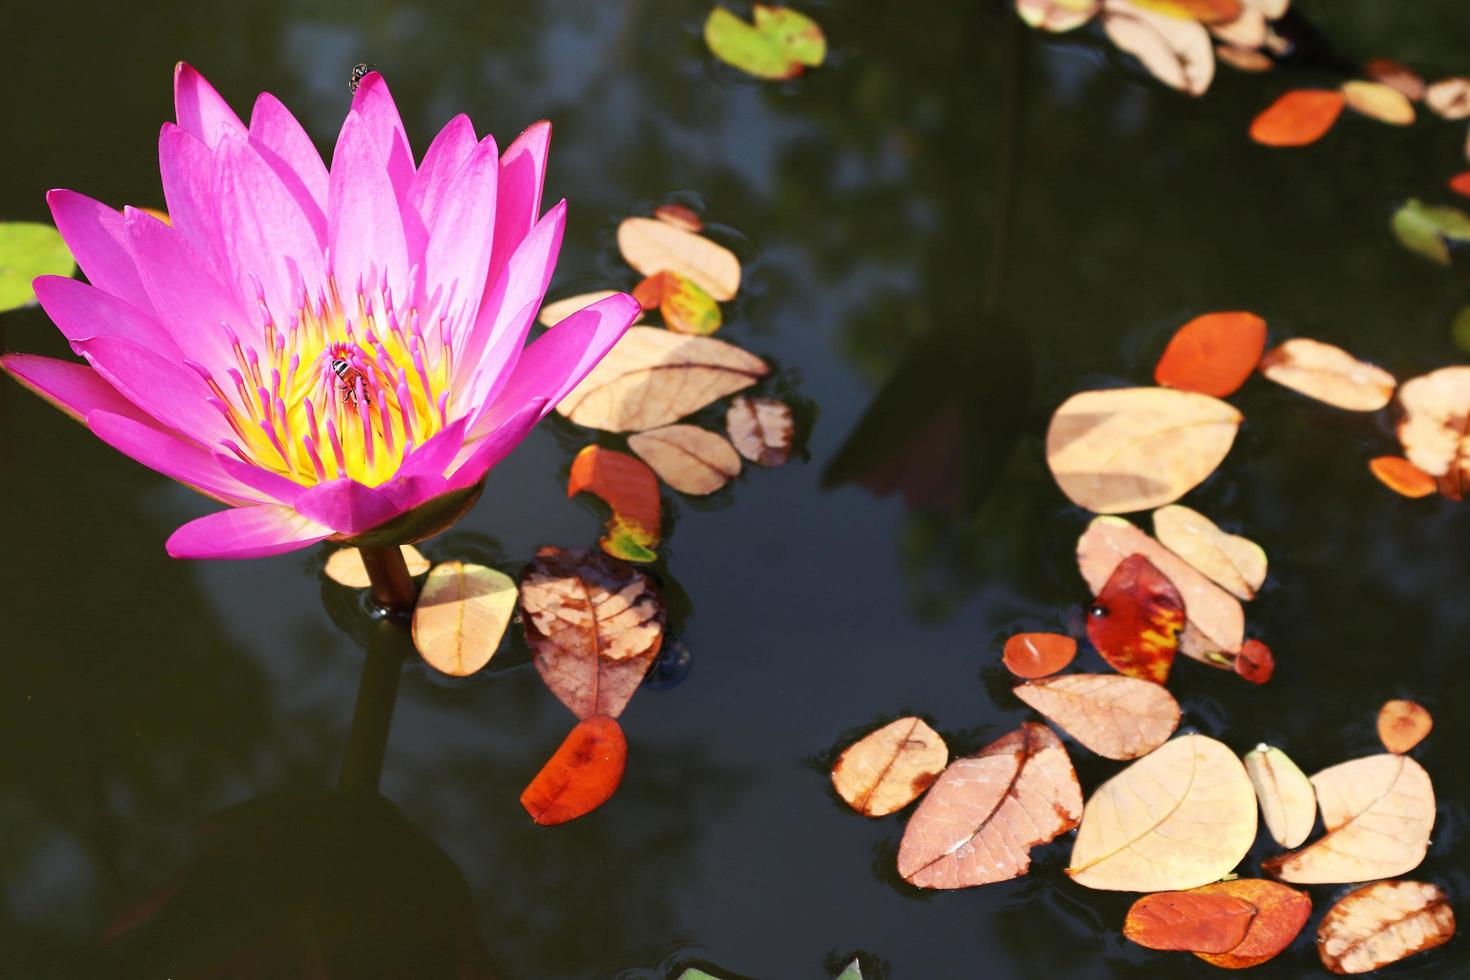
x=652, y=246
x=1288, y=801
x=1403, y=725
x=29, y=249
x=1298, y=118
x=1435, y=426
x=1175, y=51
x=780, y=44
x=688, y=458
x=1329, y=374
x=1281, y=912
x=761, y=429
x=627, y=486
x=886, y=770
x=1115, y=716
x=581, y=775
x=1402, y=476
x=1236, y=564
x=461, y=615
x=1033, y=655
x=1196, y=922
x=345, y=567
x=1213, y=354
x=1383, y=923
x=1134, y=621
x=1429, y=230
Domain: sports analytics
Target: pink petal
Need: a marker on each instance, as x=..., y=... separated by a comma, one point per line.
x=458, y=254
x=98, y=240
x=374, y=104
x=522, y=173
x=187, y=168
x=435, y=176
x=481, y=457
x=346, y=506
x=171, y=456
x=199, y=107
x=83, y=312
x=272, y=487
x=280, y=140
x=257, y=531
x=365, y=232
x=172, y=394
x=76, y=389
x=434, y=456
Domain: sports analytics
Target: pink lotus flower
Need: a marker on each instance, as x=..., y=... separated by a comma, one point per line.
x=335, y=353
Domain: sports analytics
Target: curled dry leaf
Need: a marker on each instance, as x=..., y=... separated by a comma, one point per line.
x=345, y=567
x=1213, y=354
x=1135, y=620
x=1383, y=923
x=1329, y=374
x=1449, y=98
x=1280, y=914
x=1397, y=75
x=553, y=313
x=688, y=458
x=653, y=377
x=1243, y=59
x=986, y=812
x=1236, y=564
x=679, y=216
x=1435, y=426
x=1402, y=476
x=1380, y=101
x=1175, y=51
x=1378, y=812
x=461, y=615
x=1196, y=922
x=594, y=625
x=886, y=770
x=1403, y=725
x=1180, y=817
x=1288, y=801
x=1298, y=118
x=1115, y=716
x=652, y=246
x=1126, y=449
x=684, y=306
x=1255, y=662
x=581, y=775
x=628, y=487
x=1057, y=15
x=761, y=429
x=1033, y=655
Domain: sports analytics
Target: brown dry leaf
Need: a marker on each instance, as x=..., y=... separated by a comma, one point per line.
x=1328, y=374
x=1115, y=716
x=460, y=616
x=345, y=567
x=1449, y=98
x=1057, y=15
x=653, y=377
x=1397, y=75
x=1380, y=101
x=1236, y=564
x=553, y=313
x=1383, y=923
x=986, y=812
x=1192, y=921
x=679, y=216
x=1378, y=812
x=1216, y=621
x=1180, y=817
x=1243, y=59
x=594, y=625
x=1288, y=801
x=1435, y=426
x=886, y=770
x=651, y=246
x=688, y=458
x=761, y=429
x=1244, y=32
x=1403, y=725
x=1280, y=914
x=1175, y=51
x=1127, y=449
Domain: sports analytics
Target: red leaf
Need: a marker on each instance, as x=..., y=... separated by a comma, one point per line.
x=1298, y=118
x=1254, y=662
x=629, y=487
x=1460, y=183
x=1198, y=923
x=581, y=775
x=1135, y=620
x=1033, y=655
x=1213, y=354
x=679, y=216
x=1280, y=914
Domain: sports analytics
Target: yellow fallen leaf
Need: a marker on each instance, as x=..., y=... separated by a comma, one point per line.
x=1236, y=564
x=1115, y=716
x=345, y=567
x=1379, y=101
x=1382, y=923
x=1328, y=374
x=1288, y=801
x=886, y=770
x=653, y=246
x=688, y=458
x=461, y=615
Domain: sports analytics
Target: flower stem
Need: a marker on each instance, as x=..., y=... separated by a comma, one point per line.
x=393, y=587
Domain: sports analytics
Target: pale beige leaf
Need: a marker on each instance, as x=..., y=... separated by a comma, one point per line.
x=886, y=770
x=553, y=313
x=1115, y=716
x=1216, y=621
x=345, y=567
x=1180, y=817
x=983, y=816
x=1175, y=51
x=1379, y=101
x=1244, y=59
x=653, y=377
x=1272, y=9
x=653, y=246
x=688, y=458
x=1435, y=426
x=1127, y=449
x=761, y=429
x=1057, y=15
x=1246, y=31
x=1236, y=564
x=1288, y=801
x=1449, y=98
x=1383, y=923
x=461, y=615
x=1328, y=374
x=1378, y=812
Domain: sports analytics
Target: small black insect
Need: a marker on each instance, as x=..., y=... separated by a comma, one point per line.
x=359, y=72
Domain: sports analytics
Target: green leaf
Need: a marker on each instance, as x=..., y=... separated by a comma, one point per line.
x=29, y=249
x=854, y=971
x=780, y=44
x=1428, y=230
x=1460, y=329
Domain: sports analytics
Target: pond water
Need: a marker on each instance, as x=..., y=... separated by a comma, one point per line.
x=888, y=256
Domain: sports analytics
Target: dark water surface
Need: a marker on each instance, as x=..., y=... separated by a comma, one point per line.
x=142, y=695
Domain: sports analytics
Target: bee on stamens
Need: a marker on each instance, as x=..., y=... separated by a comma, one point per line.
x=347, y=379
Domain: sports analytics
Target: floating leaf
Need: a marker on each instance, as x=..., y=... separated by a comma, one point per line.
x=1196, y=922
x=1288, y=801
x=1126, y=449
x=1429, y=230
x=1175, y=51
x=652, y=246
x=627, y=486
x=1236, y=564
x=1135, y=620
x=1434, y=429
x=1057, y=15
x=1255, y=662
x=1379, y=101
x=1280, y=914
x=594, y=625
x=1378, y=812
x=653, y=377
x=1402, y=476
x=1298, y=118
x=1383, y=923
x=1396, y=75
x=886, y=770
x=1449, y=98
x=1115, y=716
x=581, y=775
x=679, y=216
x=1213, y=354
x=553, y=313
x=688, y=458
x=1460, y=183
x=345, y=567
x=1243, y=59
x=1033, y=655
x=854, y=971
x=1403, y=725
x=29, y=249
x=761, y=429
x=684, y=306
x=1329, y=374
x=1247, y=31
x=1207, y=11
x=781, y=44
x=461, y=615
x=986, y=812
x=1180, y=817
x=1273, y=9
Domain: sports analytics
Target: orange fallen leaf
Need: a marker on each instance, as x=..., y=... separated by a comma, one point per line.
x=581, y=775
x=679, y=216
x=1115, y=716
x=1206, y=11
x=761, y=429
x=652, y=246
x=1449, y=97
x=1380, y=101
x=1213, y=354
x=1281, y=912
x=461, y=616
x=1134, y=621
x=1298, y=118
x=630, y=488
x=1402, y=476
x=1394, y=73
x=688, y=458
x=1196, y=922
x=1383, y=923
x=1033, y=655
x=1255, y=662
x=886, y=770
x=1460, y=183
x=1329, y=374
x=1403, y=725
x=344, y=566
x=1433, y=427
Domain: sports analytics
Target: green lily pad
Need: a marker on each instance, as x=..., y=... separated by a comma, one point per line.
x=780, y=44
x=29, y=249
x=1429, y=230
